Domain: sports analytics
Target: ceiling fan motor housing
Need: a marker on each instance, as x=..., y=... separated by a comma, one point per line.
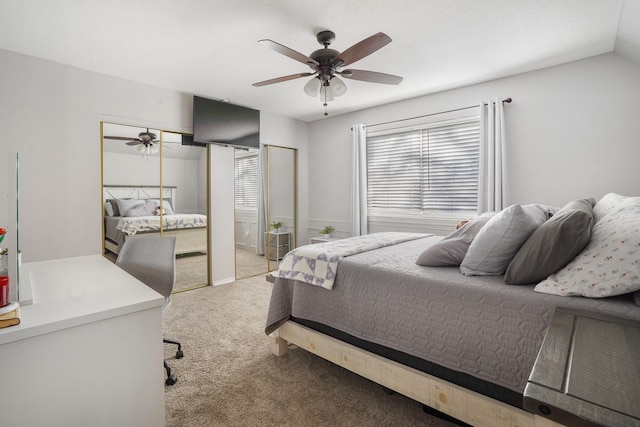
x=324, y=57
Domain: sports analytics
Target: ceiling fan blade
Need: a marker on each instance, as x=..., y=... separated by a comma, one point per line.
x=289, y=52
x=371, y=76
x=134, y=142
x=119, y=138
x=364, y=48
x=282, y=79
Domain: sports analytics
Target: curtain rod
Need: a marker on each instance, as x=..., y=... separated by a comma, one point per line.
x=508, y=101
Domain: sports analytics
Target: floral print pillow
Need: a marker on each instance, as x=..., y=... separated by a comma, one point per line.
x=609, y=265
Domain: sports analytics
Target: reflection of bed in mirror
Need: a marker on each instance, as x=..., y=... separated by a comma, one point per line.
x=135, y=210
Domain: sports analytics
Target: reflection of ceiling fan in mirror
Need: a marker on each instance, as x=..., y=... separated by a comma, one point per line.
x=146, y=142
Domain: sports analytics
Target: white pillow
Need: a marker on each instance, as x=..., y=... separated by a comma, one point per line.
x=612, y=203
x=609, y=265
x=498, y=241
x=125, y=204
x=108, y=209
x=145, y=209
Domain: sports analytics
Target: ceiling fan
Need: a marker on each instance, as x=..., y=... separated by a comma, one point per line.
x=146, y=141
x=327, y=64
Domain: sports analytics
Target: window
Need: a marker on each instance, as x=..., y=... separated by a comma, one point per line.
x=246, y=180
x=428, y=169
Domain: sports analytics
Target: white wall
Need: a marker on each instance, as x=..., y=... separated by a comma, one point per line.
x=50, y=113
x=573, y=131
x=221, y=233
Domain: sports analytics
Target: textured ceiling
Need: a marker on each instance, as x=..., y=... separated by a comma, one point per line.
x=209, y=47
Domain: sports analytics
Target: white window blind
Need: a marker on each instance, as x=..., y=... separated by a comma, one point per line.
x=246, y=181
x=424, y=169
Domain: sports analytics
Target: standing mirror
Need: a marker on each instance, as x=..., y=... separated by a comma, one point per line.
x=152, y=183
x=281, y=203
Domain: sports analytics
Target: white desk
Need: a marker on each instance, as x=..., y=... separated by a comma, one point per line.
x=88, y=351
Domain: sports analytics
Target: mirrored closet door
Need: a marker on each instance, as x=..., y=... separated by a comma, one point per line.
x=249, y=214
x=281, y=202
x=154, y=182
x=265, y=208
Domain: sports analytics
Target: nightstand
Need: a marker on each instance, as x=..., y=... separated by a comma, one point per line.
x=586, y=372
x=278, y=244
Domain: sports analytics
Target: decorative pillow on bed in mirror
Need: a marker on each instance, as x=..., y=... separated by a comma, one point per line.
x=114, y=206
x=609, y=265
x=108, y=208
x=553, y=244
x=451, y=250
x=145, y=209
x=498, y=241
x=125, y=204
x=166, y=204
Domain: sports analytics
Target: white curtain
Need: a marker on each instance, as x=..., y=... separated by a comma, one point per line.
x=359, y=182
x=491, y=168
x=262, y=200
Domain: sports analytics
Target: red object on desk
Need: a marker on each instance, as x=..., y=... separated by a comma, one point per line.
x=4, y=291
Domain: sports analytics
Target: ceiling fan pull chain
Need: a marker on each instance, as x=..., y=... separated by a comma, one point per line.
x=326, y=113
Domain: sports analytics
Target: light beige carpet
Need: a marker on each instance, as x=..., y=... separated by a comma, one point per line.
x=249, y=263
x=228, y=377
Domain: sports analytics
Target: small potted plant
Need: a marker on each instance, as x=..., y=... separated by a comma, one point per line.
x=276, y=226
x=326, y=232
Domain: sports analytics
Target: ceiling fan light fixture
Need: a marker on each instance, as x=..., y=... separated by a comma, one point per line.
x=337, y=86
x=312, y=88
x=326, y=94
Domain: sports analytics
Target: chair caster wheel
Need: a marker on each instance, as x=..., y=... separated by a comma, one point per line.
x=171, y=380
x=179, y=354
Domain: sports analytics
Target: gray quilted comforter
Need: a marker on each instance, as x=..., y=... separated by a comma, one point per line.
x=470, y=324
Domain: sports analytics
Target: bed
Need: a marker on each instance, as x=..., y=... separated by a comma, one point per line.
x=463, y=344
x=135, y=210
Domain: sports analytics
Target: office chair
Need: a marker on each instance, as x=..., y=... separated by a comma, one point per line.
x=152, y=260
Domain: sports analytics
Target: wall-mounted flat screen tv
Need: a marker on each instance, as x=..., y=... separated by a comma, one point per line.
x=218, y=122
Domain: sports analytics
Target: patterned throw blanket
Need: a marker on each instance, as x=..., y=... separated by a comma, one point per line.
x=317, y=264
x=137, y=224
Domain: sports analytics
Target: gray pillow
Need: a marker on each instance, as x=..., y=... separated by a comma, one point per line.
x=114, y=206
x=498, y=241
x=451, y=250
x=553, y=244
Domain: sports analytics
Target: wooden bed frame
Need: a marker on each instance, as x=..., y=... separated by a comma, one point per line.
x=188, y=240
x=453, y=400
